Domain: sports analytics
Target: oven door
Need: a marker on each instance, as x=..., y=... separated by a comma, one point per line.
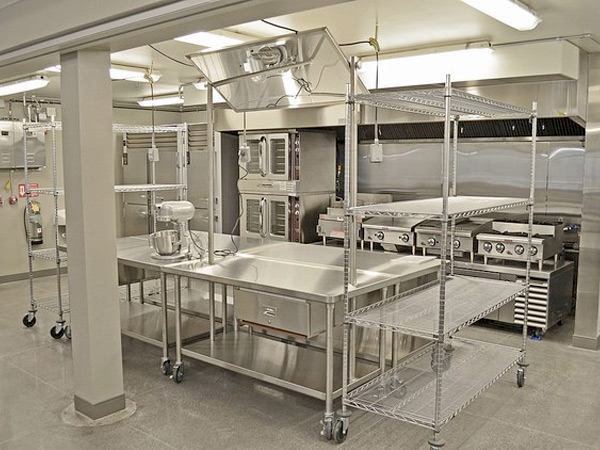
x=256, y=168
x=255, y=216
x=265, y=216
x=278, y=156
x=279, y=213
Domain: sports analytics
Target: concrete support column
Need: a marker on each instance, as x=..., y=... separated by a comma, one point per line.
x=91, y=223
x=587, y=315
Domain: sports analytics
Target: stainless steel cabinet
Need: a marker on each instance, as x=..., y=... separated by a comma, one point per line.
x=12, y=138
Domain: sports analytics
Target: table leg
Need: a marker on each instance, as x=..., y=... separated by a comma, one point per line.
x=329, y=413
x=165, y=362
x=211, y=309
x=178, y=367
x=224, y=307
x=142, y=292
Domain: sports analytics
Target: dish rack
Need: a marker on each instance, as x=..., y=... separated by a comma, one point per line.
x=435, y=383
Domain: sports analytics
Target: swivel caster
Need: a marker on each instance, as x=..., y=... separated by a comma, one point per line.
x=177, y=374
x=57, y=331
x=68, y=331
x=340, y=430
x=521, y=377
x=29, y=319
x=165, y=366
x=327, y=431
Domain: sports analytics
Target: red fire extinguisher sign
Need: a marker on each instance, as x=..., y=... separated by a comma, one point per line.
x=31, y=186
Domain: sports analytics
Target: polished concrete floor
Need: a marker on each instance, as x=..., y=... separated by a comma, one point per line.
x=559, y=408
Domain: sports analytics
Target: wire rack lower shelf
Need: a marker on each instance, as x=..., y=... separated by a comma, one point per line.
x=407, y=392
x=416, y=312
x=49, y=254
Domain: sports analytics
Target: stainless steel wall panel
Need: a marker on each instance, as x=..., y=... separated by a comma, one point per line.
x=587, y=323
x=409, y=171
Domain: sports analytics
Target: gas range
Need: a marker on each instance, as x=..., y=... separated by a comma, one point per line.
x=508, y=240
x=429, y=234
x=391, y=233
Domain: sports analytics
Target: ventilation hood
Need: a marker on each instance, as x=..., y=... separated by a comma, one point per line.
x=290, y=71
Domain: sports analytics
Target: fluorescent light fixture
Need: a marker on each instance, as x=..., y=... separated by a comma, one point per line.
x=418, y=68
x=209, y=40
x=137, y=74
x=53, y=69
x=23, y=85
x=163, y=100
x=510, y=12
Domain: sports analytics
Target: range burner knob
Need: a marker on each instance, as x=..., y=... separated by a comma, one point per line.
x=519, y=249
x=487, y=246
x=431, y=241
x=379, y=235
x=456, y=243
x=534, y=251
x=500, y=247
x=405, y=237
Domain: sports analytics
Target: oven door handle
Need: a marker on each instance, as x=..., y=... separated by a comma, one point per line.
x=262, y=149
x=261, y=216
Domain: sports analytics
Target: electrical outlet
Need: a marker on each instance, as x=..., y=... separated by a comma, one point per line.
x=376, y=153
x=153, y=155
x=244, y=153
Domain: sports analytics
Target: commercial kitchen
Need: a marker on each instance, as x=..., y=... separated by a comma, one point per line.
x=276, y=224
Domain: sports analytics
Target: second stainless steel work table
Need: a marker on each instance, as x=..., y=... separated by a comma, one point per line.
x=272, y=275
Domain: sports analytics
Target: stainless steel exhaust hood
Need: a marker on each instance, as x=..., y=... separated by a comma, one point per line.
x=290, y=71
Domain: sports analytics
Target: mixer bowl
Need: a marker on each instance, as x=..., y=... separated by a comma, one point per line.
x=165, y=242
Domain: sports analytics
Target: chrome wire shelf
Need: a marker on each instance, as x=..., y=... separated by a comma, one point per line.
x=49, y=254
x=117, y=128
x=407, y=392
x=458, y=207
x=147, y=187
x=431, y=102
x=47, y=191
x=416, y=312
x=121, y=188
x=51, y=304
x=120, y=128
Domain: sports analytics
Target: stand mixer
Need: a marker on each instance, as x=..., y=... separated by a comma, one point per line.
x=173, y=243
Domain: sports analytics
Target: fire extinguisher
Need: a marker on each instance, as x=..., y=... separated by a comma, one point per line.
x=33, y=223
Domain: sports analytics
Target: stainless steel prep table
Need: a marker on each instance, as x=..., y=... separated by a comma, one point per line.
x=298, y=273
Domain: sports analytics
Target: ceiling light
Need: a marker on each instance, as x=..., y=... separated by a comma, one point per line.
x=209, y=40
x=163, y=100
x=126, y=73
x=53, y=69
x=510, y=12
x=200, y=85
x=23, y=85
x=418, y=68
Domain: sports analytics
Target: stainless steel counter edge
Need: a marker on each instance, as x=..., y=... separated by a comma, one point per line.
x=386, y=281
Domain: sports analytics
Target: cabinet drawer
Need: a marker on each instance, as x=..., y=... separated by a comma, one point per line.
x=282, y=313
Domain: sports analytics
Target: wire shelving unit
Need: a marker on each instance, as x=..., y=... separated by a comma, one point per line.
x=59, y=303
x=432, y=385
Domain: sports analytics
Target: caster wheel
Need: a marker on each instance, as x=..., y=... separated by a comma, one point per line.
x=57, y=331
x=29, y=320
x=177, y=374
x=340, y=432
x=327, y=431
x=68, y=331
x=521, y=377
x=165, y=367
